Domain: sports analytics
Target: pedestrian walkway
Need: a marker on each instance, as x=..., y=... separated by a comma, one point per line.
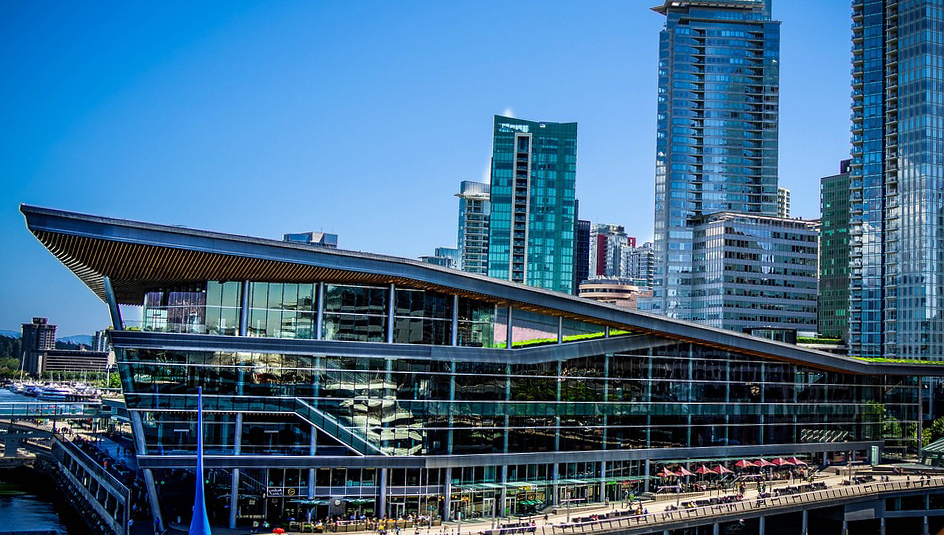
x=656, y=512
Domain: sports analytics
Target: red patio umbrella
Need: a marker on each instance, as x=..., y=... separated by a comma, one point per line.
x=780, y=461
x=702, y=470
x=683, y=472
x=760, y=463
x=744, y=464
x=722, y=470
x=797, y=462
x=667, y=473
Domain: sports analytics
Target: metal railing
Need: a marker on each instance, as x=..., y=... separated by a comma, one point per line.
x=44, y=409
x=745, y=506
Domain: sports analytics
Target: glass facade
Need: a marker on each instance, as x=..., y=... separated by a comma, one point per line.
x=833, y=307
x=533, y=203
x=352, y=383
x=897, y=175
x=716, y=142
x=754, y=272
x=664, y=395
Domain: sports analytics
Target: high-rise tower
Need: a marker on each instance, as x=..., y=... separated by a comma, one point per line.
x=833, y=304
x=896, y=290
x=532, y=225
x=717, y=129
x=474, y=214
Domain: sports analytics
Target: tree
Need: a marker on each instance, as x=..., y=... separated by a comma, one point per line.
x=933, y=432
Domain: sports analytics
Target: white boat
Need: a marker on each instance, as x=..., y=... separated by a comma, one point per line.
x=56, y=393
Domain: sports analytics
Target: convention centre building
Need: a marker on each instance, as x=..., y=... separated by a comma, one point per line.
x=338, y=381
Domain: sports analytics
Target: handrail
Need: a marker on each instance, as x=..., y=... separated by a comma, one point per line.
x=331, y=426
x=725, y=509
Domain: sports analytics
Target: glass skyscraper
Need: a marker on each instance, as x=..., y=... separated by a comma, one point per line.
x=896, y=286
x=717, y=129
x=533, y=203
x=833, y=308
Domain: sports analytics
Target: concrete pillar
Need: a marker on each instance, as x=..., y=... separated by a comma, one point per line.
x=554, y=477
x=845, y=527
x=716, y=529
x=881, y=526
x=447, y=506
x=603, y=496
x=924, y=526
x=382, y=499
x=761, y=525
x=152, y=498
x=805, y=529
x=312, y=451
x=238, y=434
x=11, y=447
x=234, y=499
x=504, y=491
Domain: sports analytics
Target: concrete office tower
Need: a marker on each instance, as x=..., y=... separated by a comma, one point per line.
x=754, y=272
x=783, y=202
x=896, y=179
x=474, y=213
x=639, y=264
x=833, y=310
x=531, y=230
x=36, y=339
x=607, y=246
x=716, y=142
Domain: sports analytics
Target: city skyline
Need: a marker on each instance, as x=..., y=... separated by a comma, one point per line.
x=110, y=109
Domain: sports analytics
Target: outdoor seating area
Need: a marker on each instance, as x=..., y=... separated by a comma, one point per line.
x=511, y=529
x=799, y=489
x=351, y=526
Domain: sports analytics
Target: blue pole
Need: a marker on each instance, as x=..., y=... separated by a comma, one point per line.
x=200, y=525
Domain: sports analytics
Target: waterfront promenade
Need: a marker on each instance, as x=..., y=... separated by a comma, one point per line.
x=661, y=516
x=834, y=487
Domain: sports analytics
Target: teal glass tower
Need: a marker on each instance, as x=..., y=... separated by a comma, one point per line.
x=533, y=203
x=896, y=288
x=717, y=137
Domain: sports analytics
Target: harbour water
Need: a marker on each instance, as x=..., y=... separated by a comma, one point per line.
x=31, y=501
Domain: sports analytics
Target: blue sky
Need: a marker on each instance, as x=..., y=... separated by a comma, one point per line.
x=358, y=118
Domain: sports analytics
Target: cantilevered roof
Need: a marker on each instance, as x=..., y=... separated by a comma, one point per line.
x=138, y=257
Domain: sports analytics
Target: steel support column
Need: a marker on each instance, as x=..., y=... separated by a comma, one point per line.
x=382, y=499
x=233, y=498
x=319, y=311
x=244, y=309
x=113, y=309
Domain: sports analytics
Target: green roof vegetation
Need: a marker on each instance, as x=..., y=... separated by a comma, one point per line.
x=882, y=360
x=812, y=340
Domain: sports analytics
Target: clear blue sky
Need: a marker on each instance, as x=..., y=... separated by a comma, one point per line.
x=358, y=118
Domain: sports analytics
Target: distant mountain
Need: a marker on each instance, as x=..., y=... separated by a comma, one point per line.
x=78, y=339
x=10, y=334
